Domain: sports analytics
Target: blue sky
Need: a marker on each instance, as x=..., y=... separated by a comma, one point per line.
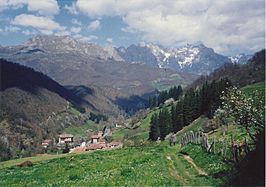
x=228, y=26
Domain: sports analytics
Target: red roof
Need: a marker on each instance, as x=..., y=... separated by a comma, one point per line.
x=79, y=149
x=95, y=146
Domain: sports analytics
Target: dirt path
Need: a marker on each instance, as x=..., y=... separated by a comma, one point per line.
x=190, y=160
x=174, y=172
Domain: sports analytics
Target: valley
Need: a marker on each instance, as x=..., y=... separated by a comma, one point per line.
x=140, y=162
x=145, y=126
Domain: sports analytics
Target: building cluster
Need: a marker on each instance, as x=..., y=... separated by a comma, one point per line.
x=96, y=142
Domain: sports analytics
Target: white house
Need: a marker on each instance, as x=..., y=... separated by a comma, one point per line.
x=66, y=138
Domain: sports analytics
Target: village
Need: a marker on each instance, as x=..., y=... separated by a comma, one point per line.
x=66, y=143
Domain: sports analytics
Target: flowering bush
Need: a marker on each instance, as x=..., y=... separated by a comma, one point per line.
x=246, y=111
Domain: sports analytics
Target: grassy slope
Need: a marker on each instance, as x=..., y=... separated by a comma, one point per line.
x=153, y=166
x=142, y=132
x=11, y=163
x=82, y=130
x=129, y=166
x=250, y=89
x=195, y=125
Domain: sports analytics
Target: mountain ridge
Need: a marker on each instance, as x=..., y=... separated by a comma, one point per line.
x=193, y=58
x=92, y=66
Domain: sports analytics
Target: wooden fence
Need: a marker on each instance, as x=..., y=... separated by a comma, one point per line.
x=229, y=149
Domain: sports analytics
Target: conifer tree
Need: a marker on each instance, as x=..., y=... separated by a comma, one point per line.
x=173, y=118
x=154, y=128
x=179, y=116
x=179, y=92
x=164, y=122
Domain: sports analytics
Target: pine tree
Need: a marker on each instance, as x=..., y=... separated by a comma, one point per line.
x=179, y=92
x=152, y=101
x=163, y=96
x=164, y=122
x=188, y=107
x=154, y=128
x=179, y=123
x=173, y=118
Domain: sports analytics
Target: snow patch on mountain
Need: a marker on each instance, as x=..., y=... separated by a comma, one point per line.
x=240, y=58
x=190, y=58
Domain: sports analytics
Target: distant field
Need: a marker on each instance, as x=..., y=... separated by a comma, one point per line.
x=142, y=132
x=250, y=89
x=82, y=130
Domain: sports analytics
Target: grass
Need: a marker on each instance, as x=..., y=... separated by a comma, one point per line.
x=34, y=159
x=142, y=132
x=250, y=89
x=194, y=126
x=82, y=130
x=213, y=164
x=149, y=166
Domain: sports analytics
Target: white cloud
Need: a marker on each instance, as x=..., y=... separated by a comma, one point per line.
x=94, y=25
x=96, y=8
x=11, y=4
x=72, y=9
x=75, y=29
x=44, y=24
x=110, y=40
x=29, y=32
x=75, y=22
x=229, y=26
x=85, y=38
x=43, y=7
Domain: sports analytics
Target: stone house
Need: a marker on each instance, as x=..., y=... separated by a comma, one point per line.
x=65, y=138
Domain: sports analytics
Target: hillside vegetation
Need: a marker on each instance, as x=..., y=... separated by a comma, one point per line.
x=152, y=166
x=33, y=107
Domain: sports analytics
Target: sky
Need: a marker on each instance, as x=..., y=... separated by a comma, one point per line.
x=228, y=26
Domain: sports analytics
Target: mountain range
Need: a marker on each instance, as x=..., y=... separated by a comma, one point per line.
x=116, y=73
x=191, y=58
x=101, y=69
x=196, y=59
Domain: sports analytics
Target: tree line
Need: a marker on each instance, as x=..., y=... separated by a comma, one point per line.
x=174, y=92
x=195, y=102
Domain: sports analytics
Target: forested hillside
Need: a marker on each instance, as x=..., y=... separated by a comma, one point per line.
x=194, y=103
x=33, y=107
